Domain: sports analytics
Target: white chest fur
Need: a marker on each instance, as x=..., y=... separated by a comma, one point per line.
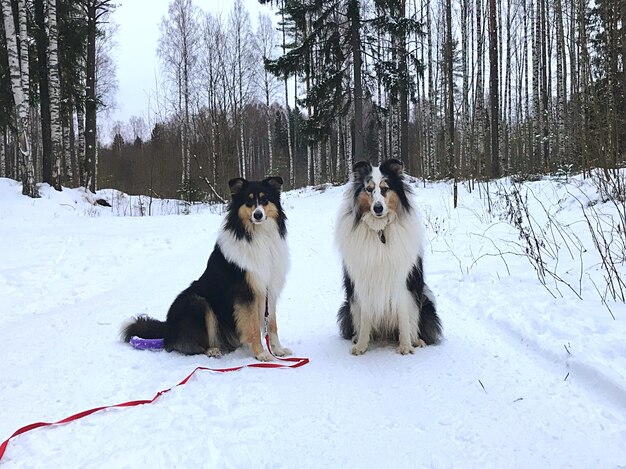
x=265, y=257
x=379, y=270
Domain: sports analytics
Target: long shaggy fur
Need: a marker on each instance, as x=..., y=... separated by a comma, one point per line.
x=380, y=239
x=225, y=307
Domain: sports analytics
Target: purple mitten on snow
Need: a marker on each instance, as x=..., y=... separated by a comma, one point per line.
x=146, y=344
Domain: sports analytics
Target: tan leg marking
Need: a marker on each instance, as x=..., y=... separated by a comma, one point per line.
x=277, y=348
x=249, y=329
x=213, y=332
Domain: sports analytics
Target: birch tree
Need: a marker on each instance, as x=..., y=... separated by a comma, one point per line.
x=266, y=39
x=18, y=68
x=242, y=46
x=178, y=51
x=494, y=96
x=54, y=86
x=40, y=33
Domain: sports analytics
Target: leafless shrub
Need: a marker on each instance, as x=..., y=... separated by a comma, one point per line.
x=606, y=221
x=541, y=243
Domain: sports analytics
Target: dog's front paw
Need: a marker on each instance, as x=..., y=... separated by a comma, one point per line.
x=264, y=356
x=281, y=351
x=214, y=352
x=405, y=349
x=419, y=343
x=358, y=349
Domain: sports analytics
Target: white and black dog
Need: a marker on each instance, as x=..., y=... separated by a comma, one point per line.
x=225, y=307
x=380, y=240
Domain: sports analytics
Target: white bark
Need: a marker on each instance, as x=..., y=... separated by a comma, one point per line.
x=430, y=159
x=19, y=78
x=80, y=130
x=341, y=147
x=561, y=80
x=54, y=87
x=309, y=166
x=178, y=50
x=3, y=161
x=266, y=37
x=68, y=152
x=349, y=157
x=329, y=165
x=23, y=45
x=317, y=164
x=243, y=61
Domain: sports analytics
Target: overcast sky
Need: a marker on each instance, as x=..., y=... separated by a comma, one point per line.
x=135, y=54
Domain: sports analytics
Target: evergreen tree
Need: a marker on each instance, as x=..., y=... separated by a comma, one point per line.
x=327, y=51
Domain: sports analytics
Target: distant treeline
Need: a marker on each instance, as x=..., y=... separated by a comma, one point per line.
x=463, y=90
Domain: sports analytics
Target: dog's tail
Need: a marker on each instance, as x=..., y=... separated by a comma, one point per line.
x=144, y=327
x=344, y=319
x=429, y=324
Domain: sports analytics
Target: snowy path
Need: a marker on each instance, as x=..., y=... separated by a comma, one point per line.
x=67, y=282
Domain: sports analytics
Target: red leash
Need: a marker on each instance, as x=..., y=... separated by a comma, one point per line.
x=295, y=363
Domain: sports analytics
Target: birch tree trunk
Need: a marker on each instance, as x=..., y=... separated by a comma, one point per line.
x=543, y=70
x=536, y=54
x=41, y=41
x=354, y=17
x=505, y=133
x=493, y=89
x=403, y=92
x=80, y=147
x=341, y=148
x=329, y=164
x=20, y=90
x=348, y=148
x=449, y=79
x=3, y=157
x=584, y=77
x=292, y=173
x=317, y=160
x=480, y=90
x=465, y=86
x=68, y=154
x=430, y=170
x=561, y=84
x=527, y=90
x=54, y=86
x=88, y=179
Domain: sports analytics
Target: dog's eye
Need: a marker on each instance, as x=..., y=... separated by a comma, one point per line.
x=263, y=200
x=249, y=203
x=369, y=189
x=384, y=190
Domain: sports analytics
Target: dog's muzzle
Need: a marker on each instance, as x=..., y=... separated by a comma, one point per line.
x=258, y=216
x=378, y=209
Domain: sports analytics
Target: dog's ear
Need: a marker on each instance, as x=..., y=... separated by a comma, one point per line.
x=392, y=167
x=235, y=185
x=275, y=182
x=361, y=169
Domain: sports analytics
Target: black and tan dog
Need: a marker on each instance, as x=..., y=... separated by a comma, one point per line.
x=225, y=307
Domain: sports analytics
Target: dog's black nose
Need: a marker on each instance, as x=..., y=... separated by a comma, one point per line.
x=378, y=208
x=257, y=215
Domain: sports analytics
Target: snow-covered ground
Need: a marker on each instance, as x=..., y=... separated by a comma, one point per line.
x=527, y=376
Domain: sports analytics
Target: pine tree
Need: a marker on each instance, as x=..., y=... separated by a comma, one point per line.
x=330, y=31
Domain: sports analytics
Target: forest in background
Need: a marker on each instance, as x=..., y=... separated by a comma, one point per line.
x=462, y=90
